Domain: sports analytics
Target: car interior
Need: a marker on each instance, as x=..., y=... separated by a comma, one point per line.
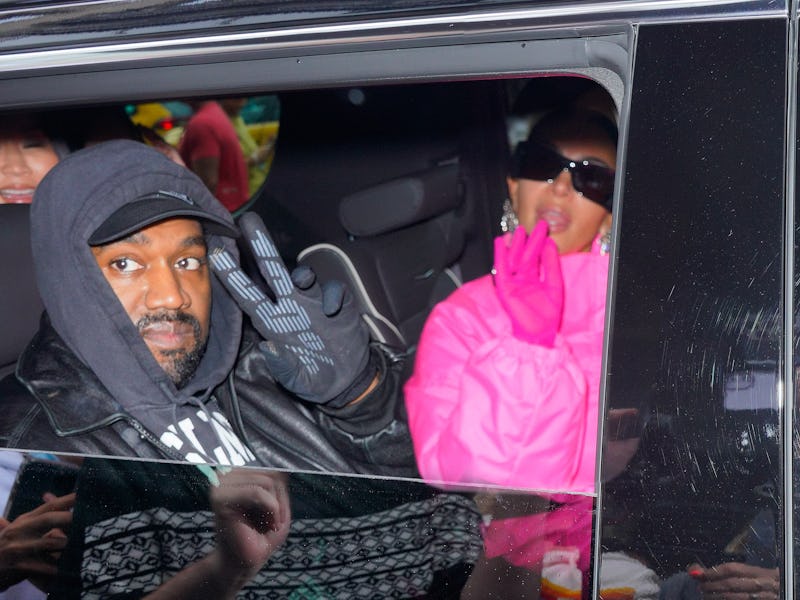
x=395, y=190
x=405, y=192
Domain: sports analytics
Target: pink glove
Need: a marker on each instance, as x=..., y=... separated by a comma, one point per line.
x=527, y=279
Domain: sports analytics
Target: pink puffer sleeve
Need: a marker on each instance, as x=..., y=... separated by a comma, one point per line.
x=486, y=407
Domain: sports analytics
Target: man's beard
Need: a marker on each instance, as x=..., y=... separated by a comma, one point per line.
x=180, y=364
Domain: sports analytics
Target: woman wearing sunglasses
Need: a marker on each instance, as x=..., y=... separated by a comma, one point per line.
x=506, y=381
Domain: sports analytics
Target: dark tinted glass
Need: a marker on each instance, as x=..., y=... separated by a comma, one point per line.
x=537, y=161
x=130, y=527
x=697, y=337
x=136, y=525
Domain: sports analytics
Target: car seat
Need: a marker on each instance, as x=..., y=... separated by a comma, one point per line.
x=20, y=305
x=399, y=256
x=387, y=188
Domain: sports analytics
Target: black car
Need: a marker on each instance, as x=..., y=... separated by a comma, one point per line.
x=698, y=443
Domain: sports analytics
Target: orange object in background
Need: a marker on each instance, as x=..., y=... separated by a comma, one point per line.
x=622, y=593
x=561, y=577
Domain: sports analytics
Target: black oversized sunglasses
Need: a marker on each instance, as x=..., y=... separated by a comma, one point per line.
x=534, y=160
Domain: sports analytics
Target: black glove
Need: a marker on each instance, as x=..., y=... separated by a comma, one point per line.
x=316, y=343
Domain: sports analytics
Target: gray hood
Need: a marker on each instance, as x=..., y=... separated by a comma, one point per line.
x=79, y=194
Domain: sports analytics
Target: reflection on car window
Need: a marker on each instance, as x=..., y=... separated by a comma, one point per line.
x=275, y=367
x=131, y=527
x=228, y=142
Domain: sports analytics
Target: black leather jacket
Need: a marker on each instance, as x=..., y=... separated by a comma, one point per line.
x=369, y=437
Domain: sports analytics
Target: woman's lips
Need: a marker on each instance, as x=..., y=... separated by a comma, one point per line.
x=11, y=196
x=168, y=335
x=557, y=220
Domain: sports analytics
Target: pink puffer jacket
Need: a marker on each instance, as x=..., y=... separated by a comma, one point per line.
x=486, y=407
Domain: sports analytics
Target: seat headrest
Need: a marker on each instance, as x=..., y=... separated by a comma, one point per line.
x=20, y=306
x=401, y=202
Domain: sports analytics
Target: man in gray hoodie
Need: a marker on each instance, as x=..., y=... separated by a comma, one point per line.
x=143, y=353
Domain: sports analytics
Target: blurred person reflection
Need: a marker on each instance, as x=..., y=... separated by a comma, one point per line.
x=31, y=543
x=255, y=155
x=210, y=148
x=349, y=536
x=251, y=521
x=746, y=564
x=724, y=581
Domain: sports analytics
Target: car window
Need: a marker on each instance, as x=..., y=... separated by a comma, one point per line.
x=689, y=494
x=408, y=184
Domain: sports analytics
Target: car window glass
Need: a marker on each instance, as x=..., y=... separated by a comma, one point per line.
x=408, y=182
x=696, y=375
x=130, y=526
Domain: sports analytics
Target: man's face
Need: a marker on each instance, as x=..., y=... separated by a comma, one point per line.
x=160, y=275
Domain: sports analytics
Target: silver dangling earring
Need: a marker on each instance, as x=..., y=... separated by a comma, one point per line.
x=605, y=243
x=508, y=220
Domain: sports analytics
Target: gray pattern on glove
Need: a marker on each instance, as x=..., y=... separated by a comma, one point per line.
x=312, y=348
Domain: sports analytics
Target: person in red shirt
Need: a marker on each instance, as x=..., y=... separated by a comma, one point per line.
x=210, y=148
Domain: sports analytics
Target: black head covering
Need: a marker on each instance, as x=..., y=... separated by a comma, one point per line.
x=72, y=201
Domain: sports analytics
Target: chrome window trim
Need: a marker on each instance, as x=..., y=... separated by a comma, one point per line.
x=608, y=325
x=445, y=28
x=787, y=394
x=593, y=56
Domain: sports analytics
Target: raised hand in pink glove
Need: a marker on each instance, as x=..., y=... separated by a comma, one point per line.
x=528, y=282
